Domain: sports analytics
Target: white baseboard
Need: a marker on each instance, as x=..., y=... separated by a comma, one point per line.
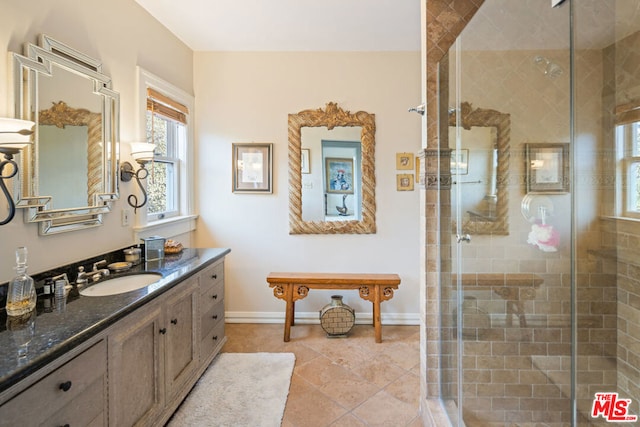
x=313, y=318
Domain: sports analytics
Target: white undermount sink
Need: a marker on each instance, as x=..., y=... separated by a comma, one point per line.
x=120, y=285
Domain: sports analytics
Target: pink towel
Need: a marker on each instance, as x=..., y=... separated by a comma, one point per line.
x=545, y=237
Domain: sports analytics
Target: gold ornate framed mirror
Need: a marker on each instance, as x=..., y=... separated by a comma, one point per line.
x=332, y=118
x=493, y=220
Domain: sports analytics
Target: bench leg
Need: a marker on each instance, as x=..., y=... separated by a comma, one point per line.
x=289, y=313
x=377, y=324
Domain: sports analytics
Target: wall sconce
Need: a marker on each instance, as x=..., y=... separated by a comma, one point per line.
x=142, y=152
x=15, y=134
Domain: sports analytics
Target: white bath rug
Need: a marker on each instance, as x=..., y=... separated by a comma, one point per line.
x=239, y=389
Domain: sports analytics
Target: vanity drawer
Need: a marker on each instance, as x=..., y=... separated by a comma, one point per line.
x=210, y=318
x=86, y=410
x=212, y=276
x=211, y=296
x=211, y=341
x=82, y=379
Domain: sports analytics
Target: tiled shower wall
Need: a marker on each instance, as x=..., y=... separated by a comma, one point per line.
x=621, y=238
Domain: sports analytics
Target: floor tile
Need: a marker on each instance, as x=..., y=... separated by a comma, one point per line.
x=343, y=382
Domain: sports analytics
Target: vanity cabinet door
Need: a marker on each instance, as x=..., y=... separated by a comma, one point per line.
x=74, y=393
x=136, y=389
x=181, y=357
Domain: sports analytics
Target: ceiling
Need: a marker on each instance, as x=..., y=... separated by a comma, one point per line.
x=291, y=25
x=385, y=25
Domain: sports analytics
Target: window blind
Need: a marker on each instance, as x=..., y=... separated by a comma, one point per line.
x=165, y=106
x=627, y=113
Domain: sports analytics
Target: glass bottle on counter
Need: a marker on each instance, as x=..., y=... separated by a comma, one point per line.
x=21, y=296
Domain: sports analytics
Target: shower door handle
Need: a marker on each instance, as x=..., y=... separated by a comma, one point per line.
x=419, y=109
x=463, y=238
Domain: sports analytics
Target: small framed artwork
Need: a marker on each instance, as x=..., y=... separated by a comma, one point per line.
x=404, y=182
x=304, y=161
x=404, y=161
x=252, y=167
x=547, y=167
x=339, y=175
x=460, y=161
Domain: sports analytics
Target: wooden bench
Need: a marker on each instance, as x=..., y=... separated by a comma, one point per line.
x=292, y=287
x=514, y=288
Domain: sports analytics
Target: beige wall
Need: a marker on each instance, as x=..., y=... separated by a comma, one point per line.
x=245, y=97
x=240, y=98
x=122, y=35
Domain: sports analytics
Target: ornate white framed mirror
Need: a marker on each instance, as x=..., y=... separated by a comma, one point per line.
x=69, y=175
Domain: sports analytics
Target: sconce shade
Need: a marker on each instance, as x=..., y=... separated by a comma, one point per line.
x=15, y=134
x=142, y=151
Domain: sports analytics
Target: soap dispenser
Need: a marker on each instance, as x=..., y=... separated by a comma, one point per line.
x=21, y=297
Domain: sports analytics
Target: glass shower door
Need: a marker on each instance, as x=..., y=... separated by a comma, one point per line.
x=508, y=113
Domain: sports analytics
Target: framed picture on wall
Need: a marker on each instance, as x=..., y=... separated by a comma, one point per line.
x=304, y=161
x=460, y=161
x=339, y=175
x=404, y=161
x=252, y=167
x=547, y=167
x=404, y=182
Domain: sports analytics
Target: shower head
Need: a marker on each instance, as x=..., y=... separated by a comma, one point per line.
x=548, y=68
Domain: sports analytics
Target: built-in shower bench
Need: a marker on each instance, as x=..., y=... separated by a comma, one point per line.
x=295, y=286
x=514, y=288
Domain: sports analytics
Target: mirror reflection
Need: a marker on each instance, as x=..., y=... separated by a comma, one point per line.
x=331, y=172
x=474, y=167
x=331, y=186
x=481, y=167
x=69, y=174
x=69, y=140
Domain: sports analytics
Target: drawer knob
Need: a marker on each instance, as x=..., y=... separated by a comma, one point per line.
x=215, y=338
x=174, y=321
x=214, y=276
x=215, y=316
x=163, y=331
x=66, y=425
x=215, y=296
x=65, y=386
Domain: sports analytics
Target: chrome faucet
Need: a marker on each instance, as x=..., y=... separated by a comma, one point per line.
x=95, y=274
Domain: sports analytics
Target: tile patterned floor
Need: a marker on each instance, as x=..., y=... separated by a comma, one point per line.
x=343, y=382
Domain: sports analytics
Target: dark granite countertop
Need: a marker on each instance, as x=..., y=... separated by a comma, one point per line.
x=56, y=332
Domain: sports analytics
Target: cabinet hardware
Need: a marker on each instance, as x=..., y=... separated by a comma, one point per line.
x=215, y=296
x=214, y=276
x=163, y=331
x=65, y=386
x=215, y=316
x=215, y=338
x=174, y=321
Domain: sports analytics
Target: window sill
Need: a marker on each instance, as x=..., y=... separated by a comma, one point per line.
x=169, y=226
x=620, y=218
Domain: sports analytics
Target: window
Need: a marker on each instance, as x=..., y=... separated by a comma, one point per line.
x=628, y=143
x=169, y=135
x=167, y=124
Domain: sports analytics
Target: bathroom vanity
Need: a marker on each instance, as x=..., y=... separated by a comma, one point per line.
x=123, y=359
